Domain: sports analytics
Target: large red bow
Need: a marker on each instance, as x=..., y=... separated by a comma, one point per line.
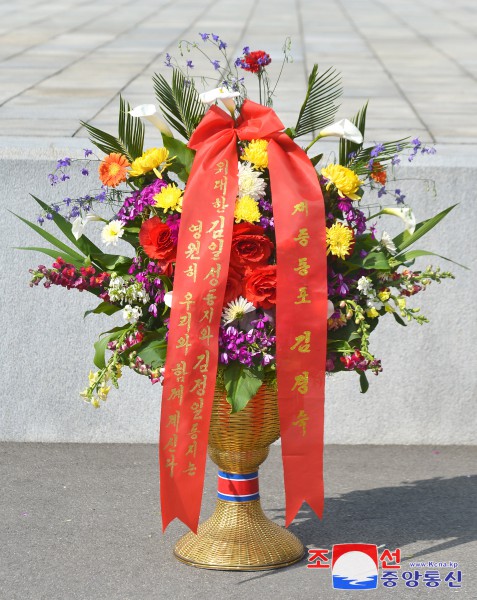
x=201, y=273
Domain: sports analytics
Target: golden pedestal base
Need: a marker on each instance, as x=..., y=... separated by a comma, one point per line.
x=239, y=537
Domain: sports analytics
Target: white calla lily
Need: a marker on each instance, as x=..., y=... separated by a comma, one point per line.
x=223, y=94
x=343, y=129
x=331, y=309
x=405, y=213
x=149, y=112
x=79, y=224
x=168, y=299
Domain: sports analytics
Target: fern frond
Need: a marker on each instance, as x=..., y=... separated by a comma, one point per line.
x=179, y=102
x=319, y=108
x=130, y=140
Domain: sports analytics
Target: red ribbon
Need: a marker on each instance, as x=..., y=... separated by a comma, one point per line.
x=200, y=279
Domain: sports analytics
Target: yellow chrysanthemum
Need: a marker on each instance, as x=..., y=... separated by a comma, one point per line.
x=372, y=313
x=256, y=153
x=151, y=159
x=246, y=209
x=345, y=180
x=339, y=240
x=169, y=198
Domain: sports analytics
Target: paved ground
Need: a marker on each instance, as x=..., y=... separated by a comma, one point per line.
x=62, y=61
x=81, y=522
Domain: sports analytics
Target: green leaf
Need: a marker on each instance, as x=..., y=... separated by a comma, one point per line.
x=184, y=157
x=130, y=140
x=316, y=159
x=54, y=254
x=339, y=346
x=413, y=254
x=374, y=260
x=112, y=262
x=363, y=382
x=50, y=238
x=319, y=108
x=241, y=384
x=152, y=349
x=105, y=308
x=101, y=344
x=180, y=103
x=403, y=240
x=83, y=243
x=399, y=320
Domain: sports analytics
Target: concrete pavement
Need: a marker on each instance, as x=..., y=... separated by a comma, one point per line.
x=81, y=522
x=62, y=61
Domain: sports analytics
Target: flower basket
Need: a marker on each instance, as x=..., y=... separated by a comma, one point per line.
x=252, y=261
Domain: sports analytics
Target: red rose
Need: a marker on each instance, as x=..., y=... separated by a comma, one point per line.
x=234, y=287
x=157, y=242
x=250, y=247
x=261, y=286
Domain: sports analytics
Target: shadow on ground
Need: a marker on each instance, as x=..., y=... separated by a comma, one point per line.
x=423, y=510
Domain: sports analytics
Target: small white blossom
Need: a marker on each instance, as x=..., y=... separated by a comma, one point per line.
x=331, y=309
x=250, y=182
x=237, y=309
x=131, y=314
x=168, y=299
x=365, y=285
x=112, y=232
x=79, y=224
x=387, y=243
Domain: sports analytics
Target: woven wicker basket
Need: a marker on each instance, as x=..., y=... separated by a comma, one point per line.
x=238, y=536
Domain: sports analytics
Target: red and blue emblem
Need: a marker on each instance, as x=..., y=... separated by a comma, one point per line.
x=235, y=487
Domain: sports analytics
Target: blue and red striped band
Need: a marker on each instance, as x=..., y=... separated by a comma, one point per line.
x=235, y=487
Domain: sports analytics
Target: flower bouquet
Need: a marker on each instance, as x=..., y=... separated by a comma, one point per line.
x=254, y=268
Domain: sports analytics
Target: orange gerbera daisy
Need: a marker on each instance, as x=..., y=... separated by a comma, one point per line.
x=112, y=170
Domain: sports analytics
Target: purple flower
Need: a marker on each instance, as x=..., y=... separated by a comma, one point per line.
x=87, y=152
x=222, y=45
x=395, y=160
x=377, y=150
x=174, y=222
x=189, y=64
x=40, y=220
x=382, y=192
x=84, y=172
x=246, y=50
x=238, y=62
x=399, y=197
x=215, y=64
x=53, y=179
x=204, y=36
x=63, y=162
x=215, y=37
x=167, y=62
x=64, y=177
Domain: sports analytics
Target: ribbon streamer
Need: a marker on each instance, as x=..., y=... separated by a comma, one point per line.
x=200, y=279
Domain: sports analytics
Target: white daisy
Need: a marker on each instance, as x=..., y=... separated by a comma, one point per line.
x=250, y=182
x=364, y=285
x=237, y=309
x=131, y=314
x=387, y=243
x=112, y=232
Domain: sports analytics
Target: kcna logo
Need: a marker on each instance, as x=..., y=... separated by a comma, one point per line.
x=354, y=566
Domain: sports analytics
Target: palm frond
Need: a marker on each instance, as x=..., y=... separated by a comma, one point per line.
x=319, y=108
x=346, y=147
x=359, y=163
x=179, y=102
x=130, y=140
